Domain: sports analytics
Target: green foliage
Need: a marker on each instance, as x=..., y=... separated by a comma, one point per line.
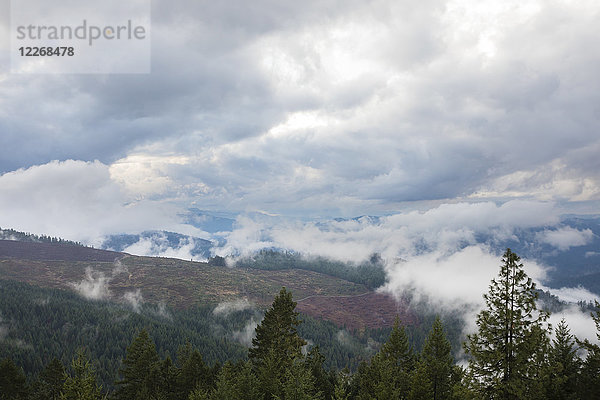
x=277, y=344
x=278, y=332
x=194, y=373
x=13, y=385
x=11, y=234
x=82, y=383
x=50, y=382
x=564, y=365
x=421, y=385
x=139, y=369
x=590, y=371
x=49, y=323
x=299, y=384
x=437, y=362
x=388, y=374
x=508, y=350
x=236, y=381
x=369, y=273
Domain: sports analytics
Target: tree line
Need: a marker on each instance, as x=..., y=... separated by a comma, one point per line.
x=511, y=356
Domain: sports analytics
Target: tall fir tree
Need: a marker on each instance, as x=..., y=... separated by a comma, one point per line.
x=193, y=374
x=13, y=384
x=82, y=384
x=278, y=331
x=138, y=369
x=277, y=344
x=50, y=382
x=589, y=387
x=389, y=373
x=236, y=381
x=507, y=352
x=438, y=362
x=564, y=365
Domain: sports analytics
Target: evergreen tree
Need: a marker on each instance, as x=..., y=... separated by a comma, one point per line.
x=343, y=385
x=236, y=382
x=13, y=384
x=82, y=384
x=421, y=387
x=278, y=331
x=277, y=344
x=299, y=384
x=437, y=361
x=590, y=371
x=138, y=368
x=388, y=375
x=193, y=374
x=564, y=365
x=509, y=346
x=324, y=381
x=50, y=382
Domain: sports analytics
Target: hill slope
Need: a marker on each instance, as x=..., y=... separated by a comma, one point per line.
x=182, y=284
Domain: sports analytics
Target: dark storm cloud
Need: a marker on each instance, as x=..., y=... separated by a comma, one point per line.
x=332, y=105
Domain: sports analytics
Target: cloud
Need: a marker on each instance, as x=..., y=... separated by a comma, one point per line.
x=567, y=237
x=575, y=294
x=341, y=108
x=158, y=245
x=79, y=201
x=444, y=256
x=94, y=285
x=445, y=228
x=135, y=299
x=246, y=334
x=225, y=308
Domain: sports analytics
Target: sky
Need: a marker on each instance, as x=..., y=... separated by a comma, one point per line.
x=446, y=118
x=324, y=108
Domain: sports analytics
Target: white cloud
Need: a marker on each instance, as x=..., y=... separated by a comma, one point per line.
x=246, y=334
x=135, y=299
x=341, y=108
x=567, y=237
x=444, y=228
x=158, y=245
x=94, y=285
x=227, y=307
x=79, y=201
x=575, y=294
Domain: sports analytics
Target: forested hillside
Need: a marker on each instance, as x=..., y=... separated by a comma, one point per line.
x=510, y=356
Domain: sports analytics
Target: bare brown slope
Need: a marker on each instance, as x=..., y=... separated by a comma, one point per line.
x=183, y=284
x=54, y=251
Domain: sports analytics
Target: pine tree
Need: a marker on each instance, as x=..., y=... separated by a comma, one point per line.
x=421, y=387
x=138, y=368
x=438, y=362
x=388, y=375
x=13, y=384
x=276, y=345
x=590, y=371
x=278, y=331
x=324, y=381
x=82, y=385
x=509, y=346
x=299, y=383
x=50, y=382
x=564, y=365
x=236, y=382
x=193, y=374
